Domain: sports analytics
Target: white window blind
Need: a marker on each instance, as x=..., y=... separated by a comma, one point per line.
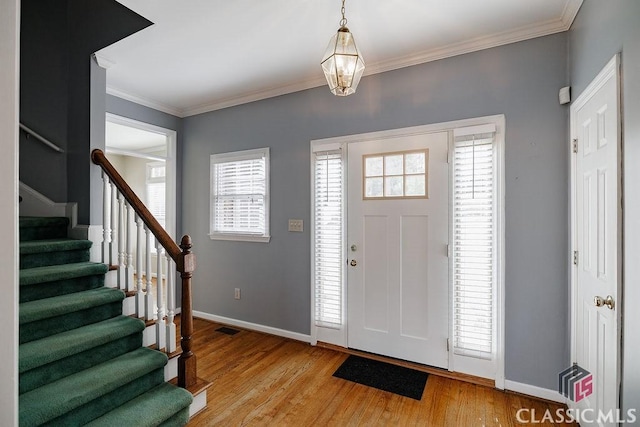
x=239, y=194
x=156, y=191
x=474, y=244
x=328, y=238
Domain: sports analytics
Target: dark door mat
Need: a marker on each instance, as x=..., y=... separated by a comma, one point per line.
x=384, y=376
x=228, y=331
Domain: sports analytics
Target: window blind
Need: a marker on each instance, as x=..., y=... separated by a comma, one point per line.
x=328, y=239
x=156, y=191
x=239, y=196
x=473, y=244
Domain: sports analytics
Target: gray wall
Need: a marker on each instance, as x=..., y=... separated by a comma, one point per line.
x=519, y=80
x=59, y=97
x=601, y=30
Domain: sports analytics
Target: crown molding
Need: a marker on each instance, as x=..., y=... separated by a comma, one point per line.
x=468, y=46
x=156, y=105
x=103, y=61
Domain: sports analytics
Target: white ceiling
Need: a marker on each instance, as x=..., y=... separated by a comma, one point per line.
x=203, y=55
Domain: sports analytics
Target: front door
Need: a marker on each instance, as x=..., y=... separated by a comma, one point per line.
x=596, y=135
x=398, y=234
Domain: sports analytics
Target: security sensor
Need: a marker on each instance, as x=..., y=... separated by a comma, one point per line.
x=565, y=95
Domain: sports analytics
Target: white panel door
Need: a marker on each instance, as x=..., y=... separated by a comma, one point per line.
x=597, y=276
x=397, y=255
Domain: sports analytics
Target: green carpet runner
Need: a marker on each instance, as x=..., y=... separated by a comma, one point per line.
x=80, y=360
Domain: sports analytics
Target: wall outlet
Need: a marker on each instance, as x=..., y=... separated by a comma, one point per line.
x=237, y=293
x=296, y=225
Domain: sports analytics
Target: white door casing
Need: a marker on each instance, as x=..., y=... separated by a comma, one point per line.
x=597, y=239
x=398, y=289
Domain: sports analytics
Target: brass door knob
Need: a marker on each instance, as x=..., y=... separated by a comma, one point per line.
x=353, y=263
x=608, y=301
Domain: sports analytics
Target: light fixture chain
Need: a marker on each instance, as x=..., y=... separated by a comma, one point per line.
x=343, y=21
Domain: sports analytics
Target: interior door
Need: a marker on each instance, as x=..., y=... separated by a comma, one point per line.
x=595, y=128
x=397, y=248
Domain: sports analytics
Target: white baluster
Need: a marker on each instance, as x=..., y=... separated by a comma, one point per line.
x=171, y=306
x=122, y=255
x=129, y=248
x=149, y=309
x=113, y=247
x=106, y=218
x=160, y=330
x=139, y=284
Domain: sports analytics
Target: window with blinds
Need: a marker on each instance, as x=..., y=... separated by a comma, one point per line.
x=240, y=195
x=156, y=190
x=328, y=229
x=474, y=250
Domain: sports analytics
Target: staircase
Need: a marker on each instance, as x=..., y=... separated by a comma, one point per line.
x=81, y=362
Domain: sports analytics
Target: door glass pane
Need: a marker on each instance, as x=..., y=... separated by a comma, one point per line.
x=414, y=163
x=373, y=166
x=373, y=187
x=393, y=186
x=414, y=185
x=393, y=165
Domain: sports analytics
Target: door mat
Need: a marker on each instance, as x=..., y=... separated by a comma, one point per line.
x=228, y=331
x=383, y=376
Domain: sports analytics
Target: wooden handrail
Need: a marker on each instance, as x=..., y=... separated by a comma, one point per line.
x=185, y=264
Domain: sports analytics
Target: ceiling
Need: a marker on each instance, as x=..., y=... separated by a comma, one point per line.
x=128, y=138
x=203, y=55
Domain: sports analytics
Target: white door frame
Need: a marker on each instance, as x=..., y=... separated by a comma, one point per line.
x=171, y=161
x=611, y=69
x=338, y=336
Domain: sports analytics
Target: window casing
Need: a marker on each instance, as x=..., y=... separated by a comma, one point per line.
x=240, y=196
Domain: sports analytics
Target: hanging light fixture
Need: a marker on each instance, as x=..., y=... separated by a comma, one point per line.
x=342, y=62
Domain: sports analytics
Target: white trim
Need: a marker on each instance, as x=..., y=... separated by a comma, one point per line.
x=138, y=154
x=531, y=390
x=156, y=105
x=103, y=61
x=253, y=326
x=549, y=27
x=35, y=203
x=171, y=164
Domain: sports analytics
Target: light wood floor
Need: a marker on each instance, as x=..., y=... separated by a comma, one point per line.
x=263, y=380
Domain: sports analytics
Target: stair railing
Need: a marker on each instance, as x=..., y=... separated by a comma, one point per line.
x=121, y=210
x=45, y=141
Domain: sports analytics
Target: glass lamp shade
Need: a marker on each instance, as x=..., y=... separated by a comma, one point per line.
x=342, y=63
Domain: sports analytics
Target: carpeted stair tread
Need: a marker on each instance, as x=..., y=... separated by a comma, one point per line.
x=71, y=393
x=149, y=409
x=50, y=273
x=56, y=347
x=53, y=245
x=33, y=228
x=65, y=304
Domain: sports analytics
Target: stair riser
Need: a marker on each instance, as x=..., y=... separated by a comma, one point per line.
x=54, y=325
x=179, y=419
x=40, y=233
x=109, y=401
x=53, y=258
x=60, y=287
x=53, y=371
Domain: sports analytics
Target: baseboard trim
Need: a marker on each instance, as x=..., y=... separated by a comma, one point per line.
x=531, y=390
x=253, y=326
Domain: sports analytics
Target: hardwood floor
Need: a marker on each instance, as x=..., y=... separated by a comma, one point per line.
x=263, y=380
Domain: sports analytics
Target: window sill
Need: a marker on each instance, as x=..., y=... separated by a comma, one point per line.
x=240, y=237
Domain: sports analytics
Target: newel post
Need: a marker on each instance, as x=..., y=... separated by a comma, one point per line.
x=187, y=360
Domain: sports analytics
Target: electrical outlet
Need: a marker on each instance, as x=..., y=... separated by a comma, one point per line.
x=237, y=293
x=295, y=225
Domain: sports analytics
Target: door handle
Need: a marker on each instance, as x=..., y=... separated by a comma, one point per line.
x=353, y=263
x=608, y=301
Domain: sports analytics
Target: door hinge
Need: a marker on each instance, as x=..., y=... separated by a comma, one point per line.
x=575, y=257
x=575, y=145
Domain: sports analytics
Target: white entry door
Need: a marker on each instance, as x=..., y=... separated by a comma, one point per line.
x=398, y=232
x=597, y=231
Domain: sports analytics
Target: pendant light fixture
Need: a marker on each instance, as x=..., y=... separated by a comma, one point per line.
x=342, y=62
